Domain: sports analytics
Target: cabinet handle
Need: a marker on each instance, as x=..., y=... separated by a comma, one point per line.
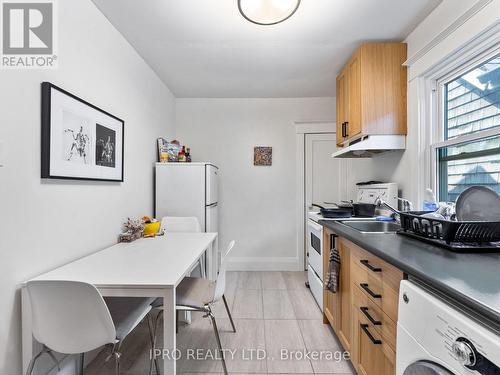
x=343, y=130
x=365, y=312
x=369, y=291
x=364, y=327
x=346, y=127
x=367, y=264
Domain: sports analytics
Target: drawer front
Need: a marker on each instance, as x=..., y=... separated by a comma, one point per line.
x=378, y=291
x=378, y=267
x=372, y=353
x=381, y=322
x=377, y=279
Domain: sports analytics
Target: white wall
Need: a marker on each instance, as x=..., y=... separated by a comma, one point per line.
x=44, y=224
x=257, y=204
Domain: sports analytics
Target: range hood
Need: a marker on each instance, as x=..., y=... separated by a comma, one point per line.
x=369, y=146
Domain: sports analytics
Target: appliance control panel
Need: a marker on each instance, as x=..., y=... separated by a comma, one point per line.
x=388, y=192
x=447, y=333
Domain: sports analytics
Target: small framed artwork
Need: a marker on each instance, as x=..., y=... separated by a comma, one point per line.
x=79, y=140
x=263, y=156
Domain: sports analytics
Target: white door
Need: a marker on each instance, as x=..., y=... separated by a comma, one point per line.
x=212, y=174
x=212, y=218
x=322, y=173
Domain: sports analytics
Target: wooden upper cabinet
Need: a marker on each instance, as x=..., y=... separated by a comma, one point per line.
x=353, y=120
x=371, y=92
x=342, y=105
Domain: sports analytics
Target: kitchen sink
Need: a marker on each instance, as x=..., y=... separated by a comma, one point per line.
x=373, y=226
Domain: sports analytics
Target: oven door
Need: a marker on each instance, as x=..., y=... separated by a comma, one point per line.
x=315, y=247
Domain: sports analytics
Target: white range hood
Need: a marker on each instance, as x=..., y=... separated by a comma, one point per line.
x=369, y=146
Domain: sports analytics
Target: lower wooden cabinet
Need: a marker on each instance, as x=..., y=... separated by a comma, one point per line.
x=363, y=312
x=370, y=355
x=337, y=306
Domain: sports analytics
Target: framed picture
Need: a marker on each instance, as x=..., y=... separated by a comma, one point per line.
x=79, y=140
x=263, y=156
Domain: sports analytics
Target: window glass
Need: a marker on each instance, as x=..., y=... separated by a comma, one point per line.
x=473, y=100
x=472, y=105
x=467, y=164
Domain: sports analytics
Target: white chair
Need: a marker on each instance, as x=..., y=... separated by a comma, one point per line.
x=181, y=224
x=198, y=294
x=71, y=317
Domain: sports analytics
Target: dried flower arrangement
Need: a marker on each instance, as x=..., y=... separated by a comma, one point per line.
x=133, y=229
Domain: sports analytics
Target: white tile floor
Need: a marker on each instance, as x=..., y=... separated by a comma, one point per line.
x=274, y=315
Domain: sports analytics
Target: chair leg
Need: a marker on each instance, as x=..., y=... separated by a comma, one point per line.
x=82, y=361
x=117, y=362
x=228, y=312
x=217, y=337
x=31, y=366
x=177, y=312
x=152, y=325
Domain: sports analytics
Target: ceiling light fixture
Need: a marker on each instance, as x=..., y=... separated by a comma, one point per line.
x=267, y=12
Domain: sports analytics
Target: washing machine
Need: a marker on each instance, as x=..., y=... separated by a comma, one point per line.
x=436, y=337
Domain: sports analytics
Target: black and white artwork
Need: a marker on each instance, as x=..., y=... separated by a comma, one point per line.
x=105, y=146
x=79, y=140
x=76, y=139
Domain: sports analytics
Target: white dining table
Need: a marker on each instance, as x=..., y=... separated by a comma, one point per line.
x=148, y=267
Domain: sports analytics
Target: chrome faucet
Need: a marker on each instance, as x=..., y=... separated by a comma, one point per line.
x=405, y=203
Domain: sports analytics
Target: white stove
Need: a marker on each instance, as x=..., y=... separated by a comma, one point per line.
x=388, y=192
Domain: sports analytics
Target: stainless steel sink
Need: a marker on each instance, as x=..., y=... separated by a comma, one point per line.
x=373, y=226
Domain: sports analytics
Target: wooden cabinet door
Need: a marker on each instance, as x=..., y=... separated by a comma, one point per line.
x=354, y=96
x=344, y=331
x=342, y=107
x=370, y=353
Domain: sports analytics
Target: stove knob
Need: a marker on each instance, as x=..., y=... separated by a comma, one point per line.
x=464, y=352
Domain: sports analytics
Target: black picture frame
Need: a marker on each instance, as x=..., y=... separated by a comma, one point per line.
x=46, y=145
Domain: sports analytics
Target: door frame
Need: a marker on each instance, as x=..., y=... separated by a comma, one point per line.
x=301, y=129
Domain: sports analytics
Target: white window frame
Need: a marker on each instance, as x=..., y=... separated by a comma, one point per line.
x=438, y=116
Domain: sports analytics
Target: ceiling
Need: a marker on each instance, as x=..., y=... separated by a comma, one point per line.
x=205, y=48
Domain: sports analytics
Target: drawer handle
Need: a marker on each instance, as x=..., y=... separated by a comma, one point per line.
x=364, y=327
x=369, y=291
x=365, y=312
x=372, y=268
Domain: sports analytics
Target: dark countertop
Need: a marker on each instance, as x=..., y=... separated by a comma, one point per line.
x=471, y=279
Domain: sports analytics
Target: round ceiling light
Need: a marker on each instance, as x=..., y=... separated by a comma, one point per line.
x=267, y=12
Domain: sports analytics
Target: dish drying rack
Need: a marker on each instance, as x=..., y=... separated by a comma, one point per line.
x=462, y=236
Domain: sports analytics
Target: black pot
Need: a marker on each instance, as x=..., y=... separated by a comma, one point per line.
x=364, y=209
x=331, y=213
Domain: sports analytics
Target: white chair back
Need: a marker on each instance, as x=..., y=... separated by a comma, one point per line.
x=220, y=284
x=180, y=224
x=70, y=317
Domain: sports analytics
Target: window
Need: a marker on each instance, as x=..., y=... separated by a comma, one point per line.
x=469, y=153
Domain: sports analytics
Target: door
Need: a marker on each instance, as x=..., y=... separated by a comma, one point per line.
x=212, y=174
x=353, y=126
x=322, y=172
x=211, y=222
x=342, y=105
x=315, y=247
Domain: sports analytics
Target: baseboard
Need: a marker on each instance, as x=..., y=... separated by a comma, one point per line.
x=264, y=264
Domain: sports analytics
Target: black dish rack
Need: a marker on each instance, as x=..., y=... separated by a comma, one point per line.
x=465, y=236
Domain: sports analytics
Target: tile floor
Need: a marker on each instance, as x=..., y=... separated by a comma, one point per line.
x=274, y=315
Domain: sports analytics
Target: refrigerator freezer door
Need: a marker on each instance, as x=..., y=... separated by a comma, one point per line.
x=211, y=184
x=211, y=214
x=180, y=191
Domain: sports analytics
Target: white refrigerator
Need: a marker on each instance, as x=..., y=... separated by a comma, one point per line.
x=188, y=189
